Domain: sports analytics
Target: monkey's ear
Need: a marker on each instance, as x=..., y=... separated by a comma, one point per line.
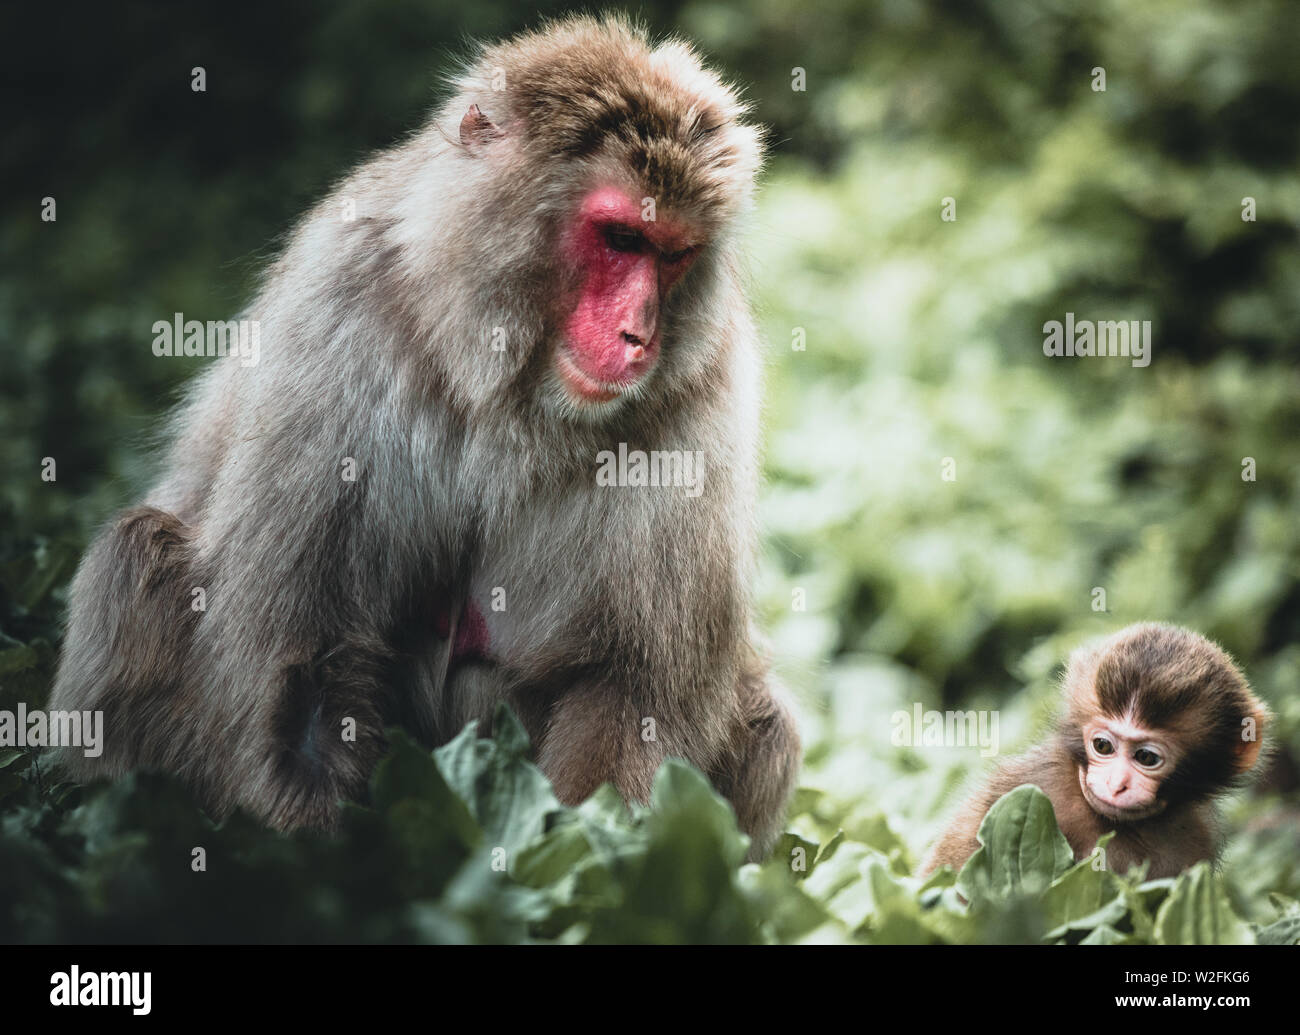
x=1246, y=751
x=477, y=130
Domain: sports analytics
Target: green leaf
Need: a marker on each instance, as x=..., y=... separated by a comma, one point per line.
x=836, y=873
x=425, y=824
x=855, y=901
x=795, y=854
x=409, y=772
x=1198, y=912
x=898, y=917
x=788, y=913
x=553, y=856
x=873, y=830
x=505, y=792
x=1286, y=929
x=1281, y=932
x=684, y=887
x=943, y=877
x=681, y=792
x=1084, y=898
x=1022, y=850
x=828, y=848
x=1107, y=935
x=494, y=907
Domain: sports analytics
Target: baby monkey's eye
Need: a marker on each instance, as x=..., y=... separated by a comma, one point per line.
x=1146, y=757
x=622, y=239
x=1102, y=746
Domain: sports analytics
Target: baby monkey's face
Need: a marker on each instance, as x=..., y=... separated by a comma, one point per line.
x=1126, y=764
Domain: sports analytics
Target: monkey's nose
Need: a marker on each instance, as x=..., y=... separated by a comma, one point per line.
x=635, y=350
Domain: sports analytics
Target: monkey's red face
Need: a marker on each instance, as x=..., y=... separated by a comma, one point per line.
x=1126, y=766
x=627, y=264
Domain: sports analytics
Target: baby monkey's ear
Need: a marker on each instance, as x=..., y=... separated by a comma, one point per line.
x=1246, y=750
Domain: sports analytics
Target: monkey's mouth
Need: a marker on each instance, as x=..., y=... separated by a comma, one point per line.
x=1118, y=813
x=583, y=386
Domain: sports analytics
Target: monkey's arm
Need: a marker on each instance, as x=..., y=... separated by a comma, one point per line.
x=959, y=841
x=594, y=733
x=758, y=771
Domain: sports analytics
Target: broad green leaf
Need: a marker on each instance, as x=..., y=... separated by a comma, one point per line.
x=1286, y=929
x=1281, y=932
x=684, y=887
x=943, y=877
x=836, y=873
x=409, y=772
x=1022, y=850
x=1141, y=911
x=681, y=793
x=795, y=854
x=1082, y=899
x=788, y=913
x=553, y=856
x=497, y=909
x=898, y=917
x=505, y=792
x=855, y=900
x=427, y=826
x=1198, y=912
x=828, y=848
x=872, y=829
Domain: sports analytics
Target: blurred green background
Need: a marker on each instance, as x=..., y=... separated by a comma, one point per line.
x=923, y=337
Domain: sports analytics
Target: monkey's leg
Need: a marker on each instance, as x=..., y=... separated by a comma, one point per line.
x=593, y=735
x=326, y=734
x=129, y=632
x=285, y=724
x=759, y=772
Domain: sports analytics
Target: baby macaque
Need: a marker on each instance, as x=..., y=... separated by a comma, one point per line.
x=1159, y=722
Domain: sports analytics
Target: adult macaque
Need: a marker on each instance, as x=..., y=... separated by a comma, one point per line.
x=1158, y=723
x=395, y=515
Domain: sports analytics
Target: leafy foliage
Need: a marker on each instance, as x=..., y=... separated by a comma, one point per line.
x=468, y=844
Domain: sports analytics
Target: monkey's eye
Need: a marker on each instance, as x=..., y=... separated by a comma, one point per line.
x=621, y=239
x=1102, y=746
x=1146, y=757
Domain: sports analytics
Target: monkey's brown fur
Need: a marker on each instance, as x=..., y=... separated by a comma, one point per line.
x=1170, y=679
x=323, y=594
